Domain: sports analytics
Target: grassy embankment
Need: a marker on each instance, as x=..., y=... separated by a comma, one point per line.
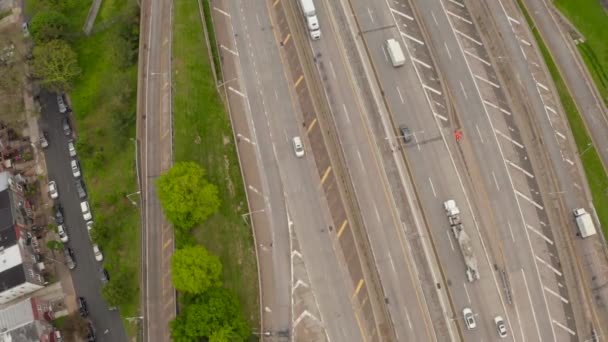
x=104, y=103
x=591, y=19
x=203, y=134
x=596, y=176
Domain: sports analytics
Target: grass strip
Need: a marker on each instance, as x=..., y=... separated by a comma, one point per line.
x=203, y=134
x=594, y=170
x=591, y=18
x=211, y=33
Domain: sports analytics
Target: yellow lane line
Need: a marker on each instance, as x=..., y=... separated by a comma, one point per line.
x=166, y=244
x=276, y=2
x=342, y=228
x=360, y=326
x=286, y=38
x=312, y=124
x=298, y=81
x=325, y=174
x=358, y=288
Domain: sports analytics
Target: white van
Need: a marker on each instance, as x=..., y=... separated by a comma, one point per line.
x=395, y=53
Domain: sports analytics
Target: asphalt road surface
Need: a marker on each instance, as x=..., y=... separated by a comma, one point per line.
x=87, y=274
x=155, y=137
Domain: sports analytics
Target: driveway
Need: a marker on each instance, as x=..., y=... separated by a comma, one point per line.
x=86, y=276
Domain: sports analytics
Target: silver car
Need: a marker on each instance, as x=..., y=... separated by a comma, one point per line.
x=469, y=318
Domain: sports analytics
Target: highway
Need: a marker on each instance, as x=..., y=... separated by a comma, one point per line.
x=295, y=208
x=154, y=138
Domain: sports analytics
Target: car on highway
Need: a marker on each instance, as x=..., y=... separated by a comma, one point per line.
x=59, y=213
x=82, y=193
x=61, y=104
x=82, y=306
x=44, y=140
x=53, y=192
x=71, y=149
x=70, y=259
x=86, y=211
x=65, y=124
x=406, y=134
x=63, y=234
x=75, y=168
x=97, y=253
x=298, y=147
x=469, y=318
x=501, y=328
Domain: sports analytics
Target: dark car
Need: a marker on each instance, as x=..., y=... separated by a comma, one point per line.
x=65, y=123
x=82, y=193
x=91, y=333
x=406, y=134
x=105, y=276
x=82, y=306
x=59, y=213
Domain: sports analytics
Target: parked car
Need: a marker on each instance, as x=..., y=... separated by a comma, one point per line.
x=82, y=306
x=72, y=148
x=61, y=104
x=86, y=211
x=70, y=259
x=44, y=140
x=63, y=233
x=57, y=336
x=53, y=192
x=91, y=333
x=80, y=189
x=25, y=29
x=59, y=213
x=105, y=276
x=97, y=253
x=75, y=168
x=65, y=123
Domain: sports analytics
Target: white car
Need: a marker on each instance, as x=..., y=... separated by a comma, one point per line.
x=61, y=104
x=86, y=211
x=90, y=229
x=298, y=147
x=75, y=168
x=63, y=234
x=53, y=190
x=469, y=318
x=71, y=149
x=500, y=326
x=97, y=252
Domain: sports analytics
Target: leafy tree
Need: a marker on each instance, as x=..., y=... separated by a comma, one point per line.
x=74, y=327
x=186, y=196
x=119, y=289
x=48, y=25
x=56, y=65
x=215, y=315
x=54, y=245
x=194, y=269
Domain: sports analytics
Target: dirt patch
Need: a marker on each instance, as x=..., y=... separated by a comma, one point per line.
x=228, y=181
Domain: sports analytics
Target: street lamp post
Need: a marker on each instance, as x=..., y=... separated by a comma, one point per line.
x=589, y=146
x=225, y=82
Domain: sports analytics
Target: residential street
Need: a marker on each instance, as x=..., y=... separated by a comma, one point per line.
x=86, y=276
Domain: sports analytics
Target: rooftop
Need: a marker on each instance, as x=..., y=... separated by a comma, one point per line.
x=12, y=277
x=8, y=236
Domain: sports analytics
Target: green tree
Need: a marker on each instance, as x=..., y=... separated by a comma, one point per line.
x=74, y=327
x=215, y=315
x=48, y=25
x=194, y=269
x=186, y=196
x=120, y=289
x=54, y=245
x=56, y=65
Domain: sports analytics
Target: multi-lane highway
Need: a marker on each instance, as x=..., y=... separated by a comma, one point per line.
x=154, y=139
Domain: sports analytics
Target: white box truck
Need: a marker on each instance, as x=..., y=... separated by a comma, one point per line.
x=584, y=222
x=395, y=53
x=310, y=15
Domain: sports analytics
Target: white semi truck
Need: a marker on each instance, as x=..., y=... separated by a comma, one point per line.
x=310, y=15
x=584, y=222
x=464, y=242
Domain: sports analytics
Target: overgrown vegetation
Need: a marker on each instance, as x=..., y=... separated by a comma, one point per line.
x=104, y=103
x=591, y=19
x=594, y=170
x=212, y=42
x=203, y=134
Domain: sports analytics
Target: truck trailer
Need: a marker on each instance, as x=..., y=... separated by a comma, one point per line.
x=464, y=242
x=310, y=16
x=395, y=53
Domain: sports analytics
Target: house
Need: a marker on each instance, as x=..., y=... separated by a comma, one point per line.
x=25, y=321
x=19, y=275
